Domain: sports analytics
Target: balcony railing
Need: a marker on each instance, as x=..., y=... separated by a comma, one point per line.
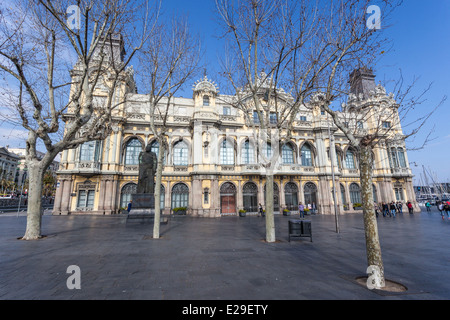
x=400, y=171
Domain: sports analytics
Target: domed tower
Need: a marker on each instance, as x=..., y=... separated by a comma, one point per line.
x=205, y=94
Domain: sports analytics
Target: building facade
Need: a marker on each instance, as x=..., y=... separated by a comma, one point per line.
x=9, y=168
x=213, y=168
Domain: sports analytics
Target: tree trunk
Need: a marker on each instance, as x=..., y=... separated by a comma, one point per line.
x=373, y=248
x=34, y=210
x=159, y=170
x=270, y=220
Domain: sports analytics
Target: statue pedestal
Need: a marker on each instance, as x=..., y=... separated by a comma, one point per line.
x=143, y=206
x=143, y=201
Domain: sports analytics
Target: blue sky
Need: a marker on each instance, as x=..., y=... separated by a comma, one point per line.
x=421, y=48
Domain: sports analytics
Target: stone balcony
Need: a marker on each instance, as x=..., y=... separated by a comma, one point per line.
x=88, y=168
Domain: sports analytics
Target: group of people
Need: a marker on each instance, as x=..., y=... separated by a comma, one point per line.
x=391, y=209
x=444, y=206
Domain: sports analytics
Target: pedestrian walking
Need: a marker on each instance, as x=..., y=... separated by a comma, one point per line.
x=375, y=206
x=314, y=208
x=441, y=209
x=392, y=207
x=260, y=210
x=428, y=205
x=129, y=206
x=410, y=207
x=447, y=209
x=400, y=207
x=301, y=209
x=385, y=209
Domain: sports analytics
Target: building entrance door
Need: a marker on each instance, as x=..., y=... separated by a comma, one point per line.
x=228, y=198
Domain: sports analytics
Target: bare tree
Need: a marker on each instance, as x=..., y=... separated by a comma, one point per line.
x=169, y=59
x=370, y=118
x=38, y=48
x=259, y=43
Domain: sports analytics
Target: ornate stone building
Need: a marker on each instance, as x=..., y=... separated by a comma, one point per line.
x=213, y=168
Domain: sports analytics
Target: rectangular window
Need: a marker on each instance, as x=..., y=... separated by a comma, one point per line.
x=226, y=111
x=86, y=199
x=206, y=196
x=273, y=118
x=302, y=118
x=386, y=124
x=226, y=154
x=255, y=117
x=87, y=151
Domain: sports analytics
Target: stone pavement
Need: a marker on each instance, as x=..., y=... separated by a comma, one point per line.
x=220, y=259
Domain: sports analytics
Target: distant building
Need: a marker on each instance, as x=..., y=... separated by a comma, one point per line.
x=9, y=163
x=22, y=174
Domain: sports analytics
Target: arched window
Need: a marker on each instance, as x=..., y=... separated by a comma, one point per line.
x=226, y=153
x=393, y=158
x=310, y=193
x=180, y=196
x=125, y=194
x=180, y=154
x=276, y=197
x=132, y=150
x=401, y=157
x=306, y=155
x=344, y=201
x=350, y=162
x=267, y=150
x=291, y=196
x=206, y=100
x=154, y=147
x=287, y=154
x=248, y=153
x=355, y=193
x=250, y=197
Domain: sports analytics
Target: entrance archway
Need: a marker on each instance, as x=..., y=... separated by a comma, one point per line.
x=250, y=197
x=310, y=193
x=276, y=198
x=228, y=198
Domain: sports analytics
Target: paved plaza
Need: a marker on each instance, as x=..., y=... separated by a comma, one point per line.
x=220, y=259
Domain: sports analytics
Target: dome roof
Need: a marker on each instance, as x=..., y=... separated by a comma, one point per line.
x=205, y=85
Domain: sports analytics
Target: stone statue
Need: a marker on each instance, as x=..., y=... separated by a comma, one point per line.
x=147, y=169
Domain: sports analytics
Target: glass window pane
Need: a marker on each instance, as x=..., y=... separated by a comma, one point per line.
x=350, y=160
x=226, y=153
x=132, y=151
x=90, y=199
x=401, y=158
x=248, y=153
x=306, y=156
x=180, y=154
x=87, y=151
x=287, y=154
x=81, y=199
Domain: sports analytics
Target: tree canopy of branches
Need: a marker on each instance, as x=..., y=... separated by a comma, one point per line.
x=310, y=49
